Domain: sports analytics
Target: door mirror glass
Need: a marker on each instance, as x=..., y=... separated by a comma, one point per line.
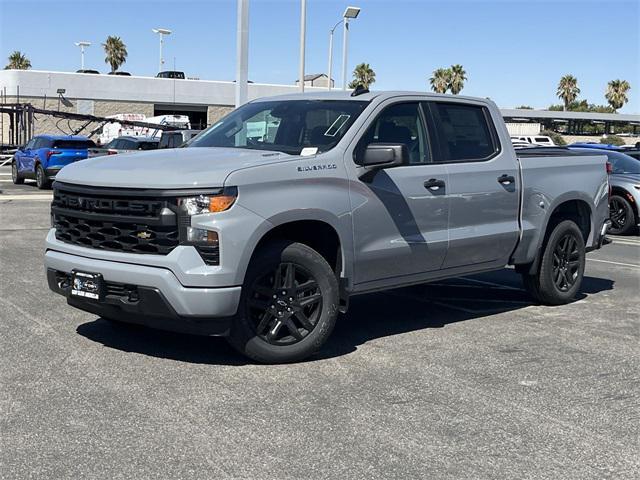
x=384, y=155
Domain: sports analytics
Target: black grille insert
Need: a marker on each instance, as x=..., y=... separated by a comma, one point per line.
x=122, y=223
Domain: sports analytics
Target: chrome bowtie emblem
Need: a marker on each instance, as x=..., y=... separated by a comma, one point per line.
x=143, y=235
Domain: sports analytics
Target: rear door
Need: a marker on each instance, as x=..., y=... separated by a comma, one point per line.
x=399, y=214
x=482, y=185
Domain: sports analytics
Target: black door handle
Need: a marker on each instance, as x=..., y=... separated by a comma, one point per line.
x=434, y=184
x=506, y=179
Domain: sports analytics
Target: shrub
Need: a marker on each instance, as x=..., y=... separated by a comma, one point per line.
x=556, y=137
x=613, y=140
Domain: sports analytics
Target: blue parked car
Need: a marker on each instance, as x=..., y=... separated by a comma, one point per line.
x=44, y=155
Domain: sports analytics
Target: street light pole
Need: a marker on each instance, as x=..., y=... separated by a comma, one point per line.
x=161, y=32
x=349, y=13
x=303, y=28
x=330, y=69
x=242, y=52
x=82, y=45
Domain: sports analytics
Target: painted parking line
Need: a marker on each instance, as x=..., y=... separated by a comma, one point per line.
x=631, y=265
x=27, y=196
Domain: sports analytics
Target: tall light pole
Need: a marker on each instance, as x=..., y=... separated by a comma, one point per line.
x=350, y=12
x=242, y=52
x=303, y=28
x=82, y=45
x=161, y=32
x=330, y=69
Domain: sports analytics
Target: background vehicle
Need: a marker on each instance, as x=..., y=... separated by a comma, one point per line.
x=122, y=74
x=264, y=238
x=520, y=144
x=178, y=121
x=95, y=72
x=175, y=138
x=630, y=150
x=116, y=129
x=44, y=155
x=171, y=74
x=625, y=191
x=534, y=139
x=131, y=144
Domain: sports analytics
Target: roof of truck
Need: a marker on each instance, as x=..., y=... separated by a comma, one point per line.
x=346, y=95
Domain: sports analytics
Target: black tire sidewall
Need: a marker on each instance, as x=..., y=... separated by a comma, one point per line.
x=43, y=183
x=242, y=335
x=630, y=217
x=15, y=174
x=547, y=289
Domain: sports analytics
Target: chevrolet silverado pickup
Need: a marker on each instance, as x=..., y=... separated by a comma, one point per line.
x=266, y=223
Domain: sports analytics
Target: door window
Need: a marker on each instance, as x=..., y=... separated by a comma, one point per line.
x=399, y=124
x=464, y=132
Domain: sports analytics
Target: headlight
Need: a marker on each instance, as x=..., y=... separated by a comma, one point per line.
x=209, y=203
x=206, y=242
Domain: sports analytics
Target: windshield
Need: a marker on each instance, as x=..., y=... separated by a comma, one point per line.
x=283, y=126
x=623, y=163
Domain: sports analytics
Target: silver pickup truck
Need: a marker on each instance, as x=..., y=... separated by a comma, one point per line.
x=264, y=225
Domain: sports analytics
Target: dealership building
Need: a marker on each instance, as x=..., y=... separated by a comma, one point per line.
x=205, y=101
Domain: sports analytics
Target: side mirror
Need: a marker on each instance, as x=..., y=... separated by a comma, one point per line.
x=21, y=149
x=384, y=155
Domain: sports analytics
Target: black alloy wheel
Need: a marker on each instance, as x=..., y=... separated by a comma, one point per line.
x=285, y=305
x=621, y=215
x=566, y=262
x=15, y=175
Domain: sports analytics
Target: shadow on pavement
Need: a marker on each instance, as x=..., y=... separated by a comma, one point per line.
x=370, y=316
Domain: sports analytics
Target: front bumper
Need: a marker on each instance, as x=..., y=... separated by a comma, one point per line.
x=161, y=301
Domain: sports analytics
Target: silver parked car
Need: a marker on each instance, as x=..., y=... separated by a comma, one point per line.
x=625, y=191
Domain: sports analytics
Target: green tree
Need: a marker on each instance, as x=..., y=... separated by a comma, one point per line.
x=440, y=80
x=616, y=93
x=524, y=107
x=568, y=90
x=116, y=52
x=363, y=75
x=458, y=77
x=555, y=136
x=18, y=61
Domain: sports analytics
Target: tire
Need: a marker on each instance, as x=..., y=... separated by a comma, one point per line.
x=288, y=307
x=41, y=178
x=623, y=220
x=561, y=268
x=15, y=174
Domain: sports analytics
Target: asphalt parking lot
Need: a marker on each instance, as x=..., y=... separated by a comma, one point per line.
x=460, y=379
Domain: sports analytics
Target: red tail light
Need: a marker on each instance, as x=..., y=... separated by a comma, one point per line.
x=52, y=152
x=111, y=152
x=609, y=168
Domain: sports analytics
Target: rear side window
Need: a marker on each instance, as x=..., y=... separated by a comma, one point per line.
x=465, y=132
x=147, y=145
x=42, y=143
x=74, y=144
x=542, y=140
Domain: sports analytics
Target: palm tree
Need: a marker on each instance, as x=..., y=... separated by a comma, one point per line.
x=568, y=90
x=616, y=93
x=18, y=61
x=440, y=80
x=363, y=75
x=458, y=77
x=116, y=52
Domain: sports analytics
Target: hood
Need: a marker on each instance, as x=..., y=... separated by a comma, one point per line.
x=171, y=168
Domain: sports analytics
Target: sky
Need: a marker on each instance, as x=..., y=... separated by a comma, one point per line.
x=514, y=51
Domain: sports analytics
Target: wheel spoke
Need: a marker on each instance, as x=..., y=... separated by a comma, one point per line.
x=310, y=300
x=304, y=320
x=293, y=329
x=289, y=275
x=557, y=277
x=273, y=332
x=264, y=322
x=305, y=286
x=277, y=279
x=567, y=278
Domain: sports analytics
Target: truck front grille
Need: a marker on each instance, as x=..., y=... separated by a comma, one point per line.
x=121, y=220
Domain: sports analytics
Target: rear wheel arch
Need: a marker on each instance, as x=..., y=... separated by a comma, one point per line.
x=576, y=210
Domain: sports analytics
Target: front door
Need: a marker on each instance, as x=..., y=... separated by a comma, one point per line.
x=483, y=185
x=400, y=214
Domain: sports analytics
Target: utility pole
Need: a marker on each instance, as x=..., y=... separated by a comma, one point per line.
x=303, y=28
